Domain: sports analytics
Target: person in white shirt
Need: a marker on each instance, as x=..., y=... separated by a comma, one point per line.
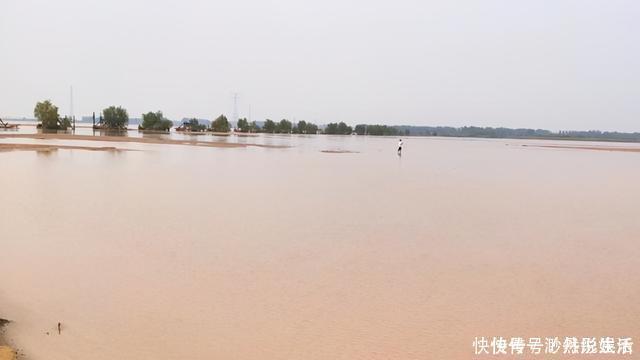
x=400, y=147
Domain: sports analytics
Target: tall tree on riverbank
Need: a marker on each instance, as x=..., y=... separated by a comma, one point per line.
x=243, y=125
x=331, y=129
x=155, y=121
x=344, y=129
x=338, y=129
x=384, y=130
x=269, y=126
x=311, y=128
x=193, y=125
x=304, y=127
x=300, y=127
x=221, y=124
x=47, y=115
x=115, y=117
x=284, y=126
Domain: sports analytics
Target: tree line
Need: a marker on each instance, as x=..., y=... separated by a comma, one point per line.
x=116, y=117
x=509, y=133
x=285, y=126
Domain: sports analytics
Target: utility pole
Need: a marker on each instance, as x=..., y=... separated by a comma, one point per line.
x=73, y=118
x=235, y=108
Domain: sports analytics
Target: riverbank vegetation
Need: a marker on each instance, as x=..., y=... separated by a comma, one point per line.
x=115, y=118
x=155, y=121
x=221, y=124
x=192, y=125
x=48, y=118
x=520, y=133
x=269, y=126
x=379, y=130
x=338, y=129
x=304, y=127
x=245, y=126
x=284, y=126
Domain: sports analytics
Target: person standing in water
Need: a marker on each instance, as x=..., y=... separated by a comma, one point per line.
x=400, y=147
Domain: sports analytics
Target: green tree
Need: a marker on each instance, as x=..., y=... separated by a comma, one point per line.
x=115, y=117
x=221, y=124
x=331, y=129
x=376, y=130
x=243, y=125
x=338, y=129
x=269, y=126
x=155, y=121
x=47, y=115
x=194, y=125
x=253, y=127
x=311, y=128
x=64, y=123
x=284, y=126
x=344, y=129
x=304, y=127
x=301, y=127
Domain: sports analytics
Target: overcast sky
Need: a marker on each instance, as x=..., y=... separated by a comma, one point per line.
x=541, y=63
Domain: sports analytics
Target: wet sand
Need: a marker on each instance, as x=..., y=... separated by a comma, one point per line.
x=47, y=148
x=338, y=152
x=124, y=139
x=6, y=353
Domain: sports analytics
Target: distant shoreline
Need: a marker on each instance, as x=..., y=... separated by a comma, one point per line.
x=579, y=147
x=439, y=131
x=557, y=138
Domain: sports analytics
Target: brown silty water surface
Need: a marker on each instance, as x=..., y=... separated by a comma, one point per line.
x=294, y=253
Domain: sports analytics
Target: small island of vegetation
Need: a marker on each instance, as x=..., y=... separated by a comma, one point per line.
x=155, y=121
x=48, y=118
x=114, y=118
x=192, y=125
x=221, y=125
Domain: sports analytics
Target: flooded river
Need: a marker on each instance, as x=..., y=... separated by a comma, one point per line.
x=182, y=252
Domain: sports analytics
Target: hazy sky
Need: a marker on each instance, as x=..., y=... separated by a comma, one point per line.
x=542, y=63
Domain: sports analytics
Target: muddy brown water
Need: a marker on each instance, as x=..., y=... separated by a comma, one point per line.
x=291, y=253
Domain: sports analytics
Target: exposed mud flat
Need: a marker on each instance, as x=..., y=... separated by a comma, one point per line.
x=338, y=152
x=124, y=139
x=49, y=148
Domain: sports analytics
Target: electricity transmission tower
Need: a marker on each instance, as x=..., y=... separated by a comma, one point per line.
x=235, y=108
